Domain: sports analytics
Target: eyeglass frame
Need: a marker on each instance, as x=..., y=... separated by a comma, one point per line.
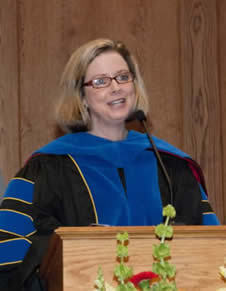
x=90, y=83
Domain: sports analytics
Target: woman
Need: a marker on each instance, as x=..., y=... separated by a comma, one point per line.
x=100, y=173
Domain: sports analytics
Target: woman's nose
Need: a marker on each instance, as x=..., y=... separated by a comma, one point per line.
x=115, y=86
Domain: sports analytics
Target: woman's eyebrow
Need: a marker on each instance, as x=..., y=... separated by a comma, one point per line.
x=109, y=75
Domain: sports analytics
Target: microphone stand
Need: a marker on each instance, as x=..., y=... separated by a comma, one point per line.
x=140, y=116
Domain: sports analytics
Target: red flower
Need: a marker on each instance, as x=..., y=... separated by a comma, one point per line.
x=136, y=279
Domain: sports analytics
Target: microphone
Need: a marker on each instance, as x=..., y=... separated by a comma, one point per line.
x=140, y=116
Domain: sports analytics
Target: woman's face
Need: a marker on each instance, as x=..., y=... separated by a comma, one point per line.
x=110, y=105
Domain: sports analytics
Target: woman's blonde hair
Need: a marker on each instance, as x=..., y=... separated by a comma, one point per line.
x=71, y=113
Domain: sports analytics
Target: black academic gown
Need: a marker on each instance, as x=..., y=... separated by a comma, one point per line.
x=61, y=199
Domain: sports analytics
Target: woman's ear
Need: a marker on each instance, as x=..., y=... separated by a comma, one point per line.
x=85, y=104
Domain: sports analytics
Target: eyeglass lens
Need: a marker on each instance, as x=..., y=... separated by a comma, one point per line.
x=106, y=81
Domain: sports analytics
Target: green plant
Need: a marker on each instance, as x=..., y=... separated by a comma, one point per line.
x=161, y=267
x=161, y=253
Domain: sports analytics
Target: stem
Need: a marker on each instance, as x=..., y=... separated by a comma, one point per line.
x=166, y=223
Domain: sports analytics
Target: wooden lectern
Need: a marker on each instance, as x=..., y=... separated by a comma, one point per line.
x=75, y=253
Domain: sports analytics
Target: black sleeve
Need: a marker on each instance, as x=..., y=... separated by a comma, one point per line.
x=59, y=198
x=15, y=273
x=187, y=198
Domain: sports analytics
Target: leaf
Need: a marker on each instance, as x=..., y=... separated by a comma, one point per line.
x=222, y=271
x=109, y=287
x=161, y=251
x=171, y=270
x=162, y=230
x=122, y=251
x=126, y=287
x=99, y=282
x=145, y=285
x=169, y=211
x=123, y=272
x=164, y=269
x=164, y=286
x=159, y=268
x=123, y=237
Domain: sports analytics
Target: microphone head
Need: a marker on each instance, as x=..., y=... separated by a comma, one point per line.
x=139, y=115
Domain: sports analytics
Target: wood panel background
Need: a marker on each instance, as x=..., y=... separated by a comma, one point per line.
x=180, y=45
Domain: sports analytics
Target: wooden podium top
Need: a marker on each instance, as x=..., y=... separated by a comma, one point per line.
x=76, y=252
x=140, y=231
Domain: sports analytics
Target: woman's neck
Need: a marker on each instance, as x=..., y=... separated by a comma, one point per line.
x=114, y=134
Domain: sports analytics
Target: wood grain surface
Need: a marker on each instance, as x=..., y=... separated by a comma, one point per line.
x=179, y=44
x=221, y=22
x=9, y=90
x=202, y=111
x=197, y=253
